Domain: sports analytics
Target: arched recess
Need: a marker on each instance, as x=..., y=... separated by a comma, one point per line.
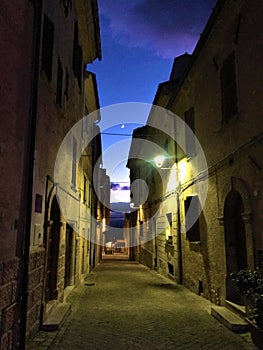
x=239, y=247
x=235, y=242
x=242, y=188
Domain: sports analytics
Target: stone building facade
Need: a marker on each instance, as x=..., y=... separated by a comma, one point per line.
x=218, y=95
x=46, y=90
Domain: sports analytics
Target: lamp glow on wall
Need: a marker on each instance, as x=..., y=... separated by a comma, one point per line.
x=163, y=162
x=174, y=184
x=167, y=163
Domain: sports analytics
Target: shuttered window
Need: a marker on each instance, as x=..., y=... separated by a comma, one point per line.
x=47, y=47
x=77, y=63
x=59, y=83
x=74, y=163
x=189, y=117
x=192, y=209
x=228, y=88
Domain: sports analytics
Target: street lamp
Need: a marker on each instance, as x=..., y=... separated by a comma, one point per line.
x=159, y=161
x=163, y=162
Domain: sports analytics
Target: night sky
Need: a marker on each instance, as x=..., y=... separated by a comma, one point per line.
x=139, y=40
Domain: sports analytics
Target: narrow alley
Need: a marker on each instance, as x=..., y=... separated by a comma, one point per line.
x=122, y=304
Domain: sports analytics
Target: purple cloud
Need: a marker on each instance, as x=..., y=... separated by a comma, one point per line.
x=115, y=186
x=167, y=27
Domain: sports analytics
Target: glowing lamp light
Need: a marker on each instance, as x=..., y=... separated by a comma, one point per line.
x=159, y=161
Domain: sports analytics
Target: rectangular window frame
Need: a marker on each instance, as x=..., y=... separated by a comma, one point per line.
x=74, y=164
x=59, y=83
x=190, y=146
x=77, y=61
x=85, y=181
x=192, y=229
x=229, y=100
x=47, y=47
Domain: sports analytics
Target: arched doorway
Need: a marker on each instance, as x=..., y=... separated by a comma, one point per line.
x=53, y=249
x=235, y=242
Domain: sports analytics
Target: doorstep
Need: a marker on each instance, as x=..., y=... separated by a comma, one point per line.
x=230, y=319
x=56, y=317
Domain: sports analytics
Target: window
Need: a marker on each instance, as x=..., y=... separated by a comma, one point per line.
x=228, y=88
x=67, y=5
x=77, y=56
x=170, y=269
x=85, y=190
x=141, y=228
x=192, y=210
x=74, y=162
x=38, y=203
x=169, y=229
x=67, y=84
x=47, y=47
x=189, y=117
x=90, y=194
x=59, y=83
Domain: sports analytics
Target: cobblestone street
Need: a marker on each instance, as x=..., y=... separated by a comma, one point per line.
x=124, y=305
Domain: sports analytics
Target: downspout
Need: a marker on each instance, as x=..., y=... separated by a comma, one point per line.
x=155, y=240
x=29, y=171
x=178, y=192
x=156, y=249
x=179, y=242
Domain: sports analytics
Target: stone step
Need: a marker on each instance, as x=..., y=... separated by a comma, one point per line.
x=230, y=319
x=236, y=308
x=56, y=317
x=49, y=306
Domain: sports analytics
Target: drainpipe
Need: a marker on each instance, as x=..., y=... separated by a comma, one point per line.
x=29, y=172
x=179, y=242
x=178, y=192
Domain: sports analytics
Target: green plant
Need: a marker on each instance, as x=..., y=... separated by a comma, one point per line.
x=250, y=284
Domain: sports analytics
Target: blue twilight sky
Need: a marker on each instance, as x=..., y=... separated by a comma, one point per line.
x=139, y=40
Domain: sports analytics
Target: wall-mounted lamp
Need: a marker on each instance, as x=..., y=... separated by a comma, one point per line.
x=132, y=205
x=163, y=162
x=159, y=161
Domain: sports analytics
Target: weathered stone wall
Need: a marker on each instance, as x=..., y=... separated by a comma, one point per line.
x=16, y=37
x=53, y=122
x=35, y=287
x=233, y=150
x=232, y=156
x=9, y=307
x=15, y=74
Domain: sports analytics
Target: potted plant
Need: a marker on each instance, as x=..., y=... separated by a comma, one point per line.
x=250, y=284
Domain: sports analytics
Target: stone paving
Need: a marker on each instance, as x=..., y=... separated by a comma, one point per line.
x=125, y=306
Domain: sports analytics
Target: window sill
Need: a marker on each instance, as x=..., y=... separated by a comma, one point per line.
x=195, y=243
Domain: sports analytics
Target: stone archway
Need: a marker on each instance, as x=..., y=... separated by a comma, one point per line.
x=235, y=242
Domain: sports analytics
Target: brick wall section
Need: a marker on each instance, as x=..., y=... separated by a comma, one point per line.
x=9, y=272
x=35, y=287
